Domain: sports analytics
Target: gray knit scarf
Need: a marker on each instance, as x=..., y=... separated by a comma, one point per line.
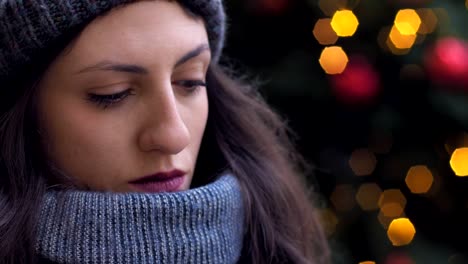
x=201, y=225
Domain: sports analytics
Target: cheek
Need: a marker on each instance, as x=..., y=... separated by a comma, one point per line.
x=82, y=145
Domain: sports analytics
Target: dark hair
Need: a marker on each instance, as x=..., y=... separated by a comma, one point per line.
x=243, y=135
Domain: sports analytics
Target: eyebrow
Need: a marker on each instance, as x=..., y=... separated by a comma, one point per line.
x=137, y=69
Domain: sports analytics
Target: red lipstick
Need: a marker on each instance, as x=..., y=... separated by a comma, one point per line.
x=160, y=182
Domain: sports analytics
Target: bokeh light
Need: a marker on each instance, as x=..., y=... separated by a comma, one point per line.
x=329, y=7
x=324, y=33
x=392, y=196
x=333, y=60
x=401, y=232
x=392, y=209
x=359, y=84
x=419, y=179
x=342, y=197
x=392, y=203
x=401, y=41
x=367, y=262
x=329, y=221
x=362, y=162
x=459, y=163
x=429, y=20
x=407, y=22
x=344, y=23
x=386, y=220
x=368, y=196
x=398, y=257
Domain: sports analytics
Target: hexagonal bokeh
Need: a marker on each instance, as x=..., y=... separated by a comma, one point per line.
x=401, y=232
x=342, y=197
x=392, y=209
x=362, y=162
x=344, y=23
x=368, y=196
x=401, y=41
x=429, y=20
x=419, y=179
x=458, y=162
x=392, y=196
x=324, y=33
x=407, y=21
x=386, y=220
x=333, y=60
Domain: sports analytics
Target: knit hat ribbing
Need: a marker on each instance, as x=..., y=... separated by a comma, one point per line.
x=29, y=26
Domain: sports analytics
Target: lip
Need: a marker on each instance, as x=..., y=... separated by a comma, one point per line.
x=170, y=181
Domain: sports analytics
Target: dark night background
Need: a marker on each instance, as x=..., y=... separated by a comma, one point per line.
x=416, y=113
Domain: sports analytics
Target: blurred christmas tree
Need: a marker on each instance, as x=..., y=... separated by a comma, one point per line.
x=378, y=93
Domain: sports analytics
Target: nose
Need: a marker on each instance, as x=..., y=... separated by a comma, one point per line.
x=164, y=128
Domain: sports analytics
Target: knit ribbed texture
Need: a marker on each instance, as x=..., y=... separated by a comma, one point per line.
x=202, y=225
x=29, y=26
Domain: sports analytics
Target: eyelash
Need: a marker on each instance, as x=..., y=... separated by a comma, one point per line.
x=107, y=100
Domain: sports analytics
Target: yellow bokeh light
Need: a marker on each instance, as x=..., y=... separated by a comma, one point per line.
x=368, y=196
x=401, y=232
x=428, y=20
x=324, y=33
x=459, y=162
x=344, y=23
x=392, y=196
x=342, y=197
x=419, y=179
x=401, y=41
x=466, y=4
x=367, y=262
x=407, y=22
x=333, y=60
x=362, y=162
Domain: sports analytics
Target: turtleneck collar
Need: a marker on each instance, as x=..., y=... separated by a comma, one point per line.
x=201, y=225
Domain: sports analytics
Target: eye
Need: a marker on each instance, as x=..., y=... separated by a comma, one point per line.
x=191, y=86
x=106, y=100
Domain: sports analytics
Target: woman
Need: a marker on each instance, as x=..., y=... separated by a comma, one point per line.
x=123, y=141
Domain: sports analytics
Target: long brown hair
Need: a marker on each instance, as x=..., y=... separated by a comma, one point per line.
x=243, y=135
x=255, y=143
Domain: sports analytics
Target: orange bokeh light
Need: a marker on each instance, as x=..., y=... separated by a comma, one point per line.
x=401, y=232
x=324, y=33
x=333, y=60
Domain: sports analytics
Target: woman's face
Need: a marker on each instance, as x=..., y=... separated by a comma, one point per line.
x=128, y=100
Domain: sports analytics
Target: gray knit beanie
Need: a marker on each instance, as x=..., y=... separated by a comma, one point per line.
x=27, y=27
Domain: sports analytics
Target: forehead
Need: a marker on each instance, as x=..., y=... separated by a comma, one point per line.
x=145, y=32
